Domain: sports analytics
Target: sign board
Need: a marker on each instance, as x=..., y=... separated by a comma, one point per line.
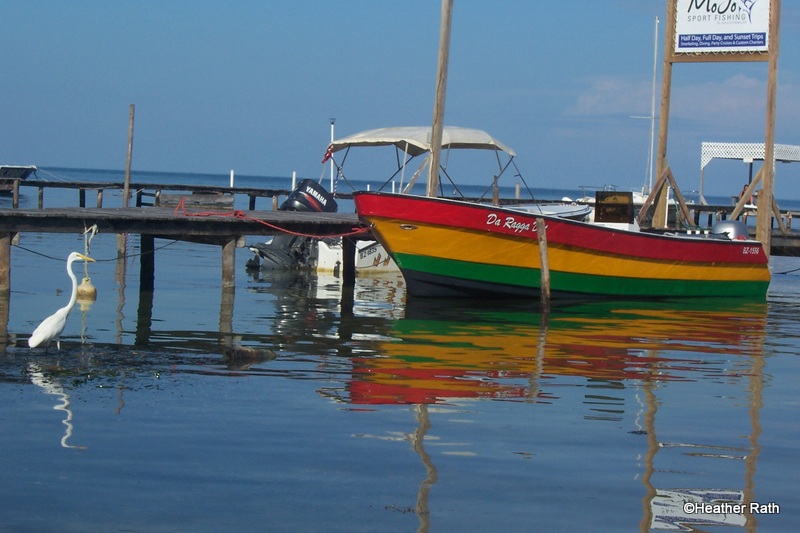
x=721, y=26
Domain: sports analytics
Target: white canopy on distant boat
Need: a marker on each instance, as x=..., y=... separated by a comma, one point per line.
x=416, y=140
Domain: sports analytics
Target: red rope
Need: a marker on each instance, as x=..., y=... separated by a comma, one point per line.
x=181, y=209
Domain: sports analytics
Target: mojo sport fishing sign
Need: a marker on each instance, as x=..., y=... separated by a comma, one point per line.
x=703, y=26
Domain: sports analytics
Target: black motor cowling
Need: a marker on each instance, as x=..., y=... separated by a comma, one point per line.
x=310, y=196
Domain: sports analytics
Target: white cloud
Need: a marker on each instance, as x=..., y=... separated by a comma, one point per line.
x=609, y=95
x=738, y=101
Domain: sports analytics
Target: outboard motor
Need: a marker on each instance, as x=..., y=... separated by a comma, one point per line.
x=289, y=252
x=310, y=196
x=736, y=230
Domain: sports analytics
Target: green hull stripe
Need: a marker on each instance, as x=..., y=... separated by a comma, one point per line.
x=578, y=283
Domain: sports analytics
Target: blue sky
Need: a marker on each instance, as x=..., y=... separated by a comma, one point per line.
x=251, y=85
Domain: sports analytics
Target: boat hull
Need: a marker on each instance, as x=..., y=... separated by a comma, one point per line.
x=453, y=248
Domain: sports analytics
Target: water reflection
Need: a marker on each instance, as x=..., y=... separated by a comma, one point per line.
x=52, y=386
x=442, y=351
x=371, y=347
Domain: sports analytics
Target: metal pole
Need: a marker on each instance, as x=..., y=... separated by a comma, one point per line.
x=653, y=111
x=333, y=120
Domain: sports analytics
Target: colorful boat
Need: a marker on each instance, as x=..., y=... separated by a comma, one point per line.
x=454, y=248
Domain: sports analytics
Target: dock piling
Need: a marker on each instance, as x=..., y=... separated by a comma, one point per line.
x=147, y=262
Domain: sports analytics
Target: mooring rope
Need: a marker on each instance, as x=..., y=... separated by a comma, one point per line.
x=54, y=258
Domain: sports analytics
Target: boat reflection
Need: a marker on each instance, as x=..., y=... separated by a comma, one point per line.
x=455, y=351
x=441, y=352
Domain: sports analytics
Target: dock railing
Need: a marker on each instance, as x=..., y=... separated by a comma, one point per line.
x=148, y=194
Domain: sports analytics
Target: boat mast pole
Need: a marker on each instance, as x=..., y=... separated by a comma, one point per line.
x=441, y=92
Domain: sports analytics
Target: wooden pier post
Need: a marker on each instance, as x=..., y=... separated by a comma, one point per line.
x=5, y=286
x=126, y=190
x=144, y=316
x=349, y=262
x=5, y=263
x=147, y=263
x=226, y=315
x=229, y=263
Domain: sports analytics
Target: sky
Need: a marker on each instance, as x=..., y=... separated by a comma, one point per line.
x=252, y=86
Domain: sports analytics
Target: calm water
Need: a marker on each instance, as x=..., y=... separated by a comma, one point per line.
x=295, y=407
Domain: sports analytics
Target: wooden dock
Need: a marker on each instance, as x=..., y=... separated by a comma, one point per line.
x=178, y=212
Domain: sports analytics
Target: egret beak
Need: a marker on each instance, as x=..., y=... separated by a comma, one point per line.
x=86, y=258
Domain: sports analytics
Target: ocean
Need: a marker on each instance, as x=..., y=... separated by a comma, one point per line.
x=301, y=406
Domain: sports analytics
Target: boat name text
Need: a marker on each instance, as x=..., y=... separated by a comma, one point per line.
x=509, y=222
x=751, y=250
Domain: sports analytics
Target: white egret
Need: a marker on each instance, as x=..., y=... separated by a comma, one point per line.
x=51, y=327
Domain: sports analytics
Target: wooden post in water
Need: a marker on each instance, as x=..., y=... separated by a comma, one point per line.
x=544, y=267
x=349, y=262
x=441, y=92
x=5, y=263
x=147, y=262
x=229, y=263
x=5, y=286
x=228, y=292
x=126, y=191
